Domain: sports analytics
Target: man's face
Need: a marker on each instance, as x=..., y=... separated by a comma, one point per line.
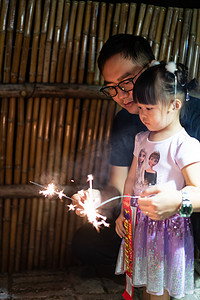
x=117, y=69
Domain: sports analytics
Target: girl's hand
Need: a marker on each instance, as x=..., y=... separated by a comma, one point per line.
x=159, y=202
x=119, y=226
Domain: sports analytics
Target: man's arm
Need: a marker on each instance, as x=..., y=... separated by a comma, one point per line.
x=117, y=177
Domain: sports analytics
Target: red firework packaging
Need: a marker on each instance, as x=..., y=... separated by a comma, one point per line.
x=129, y=221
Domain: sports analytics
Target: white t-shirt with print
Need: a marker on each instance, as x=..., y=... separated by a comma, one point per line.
x=161, y=161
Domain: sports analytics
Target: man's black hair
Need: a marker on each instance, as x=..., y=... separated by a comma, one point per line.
x=129, y=46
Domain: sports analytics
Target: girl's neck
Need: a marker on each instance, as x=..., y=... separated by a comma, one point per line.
x=165, y=133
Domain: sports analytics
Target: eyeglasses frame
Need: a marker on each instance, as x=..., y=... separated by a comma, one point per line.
x=118, y=85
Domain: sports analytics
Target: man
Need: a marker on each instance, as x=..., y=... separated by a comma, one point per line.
x=121, y=61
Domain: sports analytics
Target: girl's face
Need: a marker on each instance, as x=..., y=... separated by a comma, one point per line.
x=154, y=117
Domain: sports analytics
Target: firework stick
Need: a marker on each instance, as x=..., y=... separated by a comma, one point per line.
x=131, y=18
x=178, y=36
x=172, y=34
x=116, y=16
x=153, y=25
x=140, y=19
x=129, y=224
x=166, y=30
x=156, y=43
x=185, y=35
x=123, y=18
x=147, y=21
x=192, y=40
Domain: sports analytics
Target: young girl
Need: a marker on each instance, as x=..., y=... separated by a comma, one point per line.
x=163, y=250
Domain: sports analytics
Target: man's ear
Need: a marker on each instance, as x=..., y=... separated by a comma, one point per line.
x=175, y=104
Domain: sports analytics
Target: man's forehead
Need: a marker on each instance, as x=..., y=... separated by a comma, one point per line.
x=117, y=68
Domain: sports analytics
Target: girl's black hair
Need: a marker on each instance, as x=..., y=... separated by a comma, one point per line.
x=156, y=84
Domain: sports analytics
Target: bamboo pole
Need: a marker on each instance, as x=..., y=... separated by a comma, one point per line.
x=7, y=252
x=140, y=19
x=70, y=102
x=52, y=144
x=195, y=69
x=153, y=25
x=123, y=18
x=81, y=69
x=185, y=35
x=156, y=43
x=165, y=37
x=116, y=17
x=68, y=127
x=178, y=36
x=43, y=221
x=72, y=218
x=20, y=127
x=172, y=34
x=60, y=132
x=192, y=40
x=38, y=136
x=147, y=21
x=3, y=20
x=131, y=18
x=94, y=112
x=76, y=103
x=108, y=22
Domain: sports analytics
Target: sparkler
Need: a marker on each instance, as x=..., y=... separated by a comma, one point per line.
x=88, y=207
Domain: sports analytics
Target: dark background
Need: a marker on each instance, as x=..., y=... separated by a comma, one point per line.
x=165, y=3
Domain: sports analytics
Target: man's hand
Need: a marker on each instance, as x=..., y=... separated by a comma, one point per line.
x=159, y=202
x=119, y=226
x=82, y=196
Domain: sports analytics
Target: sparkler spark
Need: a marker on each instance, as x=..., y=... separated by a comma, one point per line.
x=90, y=205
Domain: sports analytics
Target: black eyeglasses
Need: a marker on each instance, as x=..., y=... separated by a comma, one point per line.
x=126, y=85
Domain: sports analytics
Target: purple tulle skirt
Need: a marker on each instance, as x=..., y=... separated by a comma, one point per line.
x=163, y=255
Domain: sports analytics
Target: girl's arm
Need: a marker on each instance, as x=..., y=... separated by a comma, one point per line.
x=191, y=174
x=128, y=189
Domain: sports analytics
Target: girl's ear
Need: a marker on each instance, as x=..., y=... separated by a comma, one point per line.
x=175, y=104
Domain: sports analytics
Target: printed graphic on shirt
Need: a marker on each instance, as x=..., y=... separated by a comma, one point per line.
x=146, y=174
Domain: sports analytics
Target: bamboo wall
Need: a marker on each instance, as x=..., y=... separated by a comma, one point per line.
x=59, y=139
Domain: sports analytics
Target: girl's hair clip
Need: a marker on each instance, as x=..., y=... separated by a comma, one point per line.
x=187, y=96
x=171, y=67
